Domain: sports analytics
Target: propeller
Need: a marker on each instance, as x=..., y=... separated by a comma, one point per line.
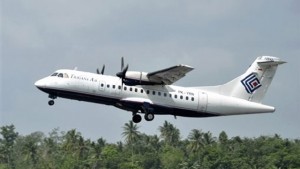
x=102, y=71
x=122, y=74
x=122, y=63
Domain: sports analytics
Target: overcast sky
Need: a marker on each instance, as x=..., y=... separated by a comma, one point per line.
x=220, y=39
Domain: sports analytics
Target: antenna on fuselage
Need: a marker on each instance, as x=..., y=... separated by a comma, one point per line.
x=75, y=68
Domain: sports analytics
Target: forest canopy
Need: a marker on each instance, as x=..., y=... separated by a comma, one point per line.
x=167, y=150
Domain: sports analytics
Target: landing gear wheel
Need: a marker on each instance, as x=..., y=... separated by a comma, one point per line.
x=136, y=118
x=51, y=96
x=51, y=102
x=149, y=116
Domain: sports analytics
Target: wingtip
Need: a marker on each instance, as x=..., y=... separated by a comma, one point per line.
x=187, y=66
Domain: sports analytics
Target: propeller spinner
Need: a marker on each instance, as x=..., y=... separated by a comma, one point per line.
x=122, y=74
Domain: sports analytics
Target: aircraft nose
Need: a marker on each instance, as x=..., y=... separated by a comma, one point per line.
x=40, y=83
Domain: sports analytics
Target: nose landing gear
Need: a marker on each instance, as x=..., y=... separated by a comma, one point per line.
x=51, y=102
x=52, y=97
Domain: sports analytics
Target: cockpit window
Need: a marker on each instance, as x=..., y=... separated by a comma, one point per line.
x=66, y=75
x=60, y=75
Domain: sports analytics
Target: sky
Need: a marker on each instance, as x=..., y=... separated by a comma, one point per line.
x=220, y=39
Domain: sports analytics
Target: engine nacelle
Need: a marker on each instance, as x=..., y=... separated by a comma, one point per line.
x=133, y=78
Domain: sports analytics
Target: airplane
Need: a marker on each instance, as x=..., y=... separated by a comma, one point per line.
x=154, y=93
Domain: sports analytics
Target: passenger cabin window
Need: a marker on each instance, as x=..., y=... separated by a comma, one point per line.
x=125, y=88
x=148, y=91
x=136, y=90
x=181, y=97
x=119, y=87
x=142, y=91
x=192, y=99
x=159, y=93
x=153, y=92
x=187, y=98
x=114, y=86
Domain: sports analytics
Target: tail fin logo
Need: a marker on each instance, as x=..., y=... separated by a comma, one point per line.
x=251, y=83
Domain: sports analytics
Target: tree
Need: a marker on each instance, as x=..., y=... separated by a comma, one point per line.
x=199, y=150
x=171, y=157
x=7, y=142
x=223, y=138
x=196, y=140
x=110, y=156
x=31, y=148
x=208, y=138
x=169, y=133
x=71, y=149
x=131, y=133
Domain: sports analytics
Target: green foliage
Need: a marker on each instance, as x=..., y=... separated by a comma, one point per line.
x=71, y=150
x=171, y=157
x=169, y=133
x=7, y=142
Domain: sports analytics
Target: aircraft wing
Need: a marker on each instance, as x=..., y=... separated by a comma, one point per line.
x=170, y=75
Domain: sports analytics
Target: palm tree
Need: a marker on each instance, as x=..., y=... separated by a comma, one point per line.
x=208, y=138
x=131, y=133
x=196, y=140
x=71, y=141
x=223, y=138
x=169, y=133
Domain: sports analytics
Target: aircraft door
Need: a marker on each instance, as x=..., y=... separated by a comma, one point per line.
x=202, y=105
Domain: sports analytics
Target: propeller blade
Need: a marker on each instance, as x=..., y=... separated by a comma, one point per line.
x=102, y=71
x=122, y=63
x=122, y=74
x=125, y=70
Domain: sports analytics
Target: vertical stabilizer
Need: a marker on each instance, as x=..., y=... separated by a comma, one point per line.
x=254, y=83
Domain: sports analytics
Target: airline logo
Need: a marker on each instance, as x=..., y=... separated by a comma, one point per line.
x=251, y=83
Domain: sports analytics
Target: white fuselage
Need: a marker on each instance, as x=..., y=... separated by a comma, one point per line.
x=163, y=99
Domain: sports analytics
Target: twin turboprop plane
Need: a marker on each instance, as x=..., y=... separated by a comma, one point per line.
x=154, y=93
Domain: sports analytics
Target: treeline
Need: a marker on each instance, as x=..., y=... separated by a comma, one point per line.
x=70, y=150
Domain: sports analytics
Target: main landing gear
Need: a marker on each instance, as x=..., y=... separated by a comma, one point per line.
x=149, y=115
x=136, y=118
x=52, y=97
